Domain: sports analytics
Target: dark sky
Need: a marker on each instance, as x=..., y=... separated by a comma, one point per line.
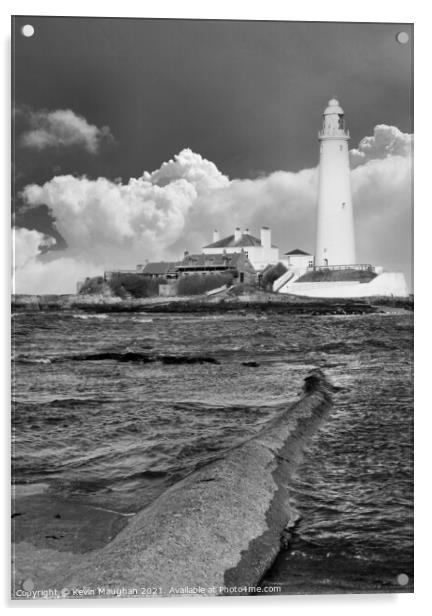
x=246, y=95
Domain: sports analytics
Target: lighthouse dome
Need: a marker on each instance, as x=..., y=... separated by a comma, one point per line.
x=333, y=107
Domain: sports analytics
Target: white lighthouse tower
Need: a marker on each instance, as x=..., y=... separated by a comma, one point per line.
x=334, y=271
x=335, y=224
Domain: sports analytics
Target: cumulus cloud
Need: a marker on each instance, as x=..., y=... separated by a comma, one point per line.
x=382, y=197
x=28, y=243
x=157, y=216
x=37, y=271
x=61, y=128
x=283, y=200
x=385, y=142
x=187, y=165
x=120, y=223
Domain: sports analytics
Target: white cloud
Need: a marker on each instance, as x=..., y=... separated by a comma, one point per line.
x=382, y=195
x=28, y=243
x=107, y=224
x=283, y=200
x=187, y=165
x=61, y=128
x=36, y=271
x=385, y=142
x=116, y=224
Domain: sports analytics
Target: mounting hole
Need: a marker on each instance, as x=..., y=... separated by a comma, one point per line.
x=28, y=585
x=402, y=37
x=402, y=579
x=27, y=30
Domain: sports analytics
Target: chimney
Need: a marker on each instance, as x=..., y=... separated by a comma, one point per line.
x=265, y=237
x=247, y=231
x=237, y=234
x=216, y=235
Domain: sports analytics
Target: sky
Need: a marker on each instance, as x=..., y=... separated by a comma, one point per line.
x=134, y=138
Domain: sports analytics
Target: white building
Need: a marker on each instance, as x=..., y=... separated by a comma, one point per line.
x=260, y=252
x=297, y=259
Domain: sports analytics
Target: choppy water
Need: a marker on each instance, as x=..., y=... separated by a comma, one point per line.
x=111, y=409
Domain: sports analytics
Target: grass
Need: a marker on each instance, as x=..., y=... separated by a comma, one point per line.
x=123, y=285
x=346, y=275
x=196, y=284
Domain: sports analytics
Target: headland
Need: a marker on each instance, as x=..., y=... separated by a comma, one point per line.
x=234, y=299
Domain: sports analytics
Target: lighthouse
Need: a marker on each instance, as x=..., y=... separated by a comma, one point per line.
x=335, y=224
x=333, y=272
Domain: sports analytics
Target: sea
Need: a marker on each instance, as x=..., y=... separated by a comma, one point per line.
x=111, y=409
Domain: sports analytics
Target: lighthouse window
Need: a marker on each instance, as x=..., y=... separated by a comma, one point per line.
x=341, y=148
x=343, y=205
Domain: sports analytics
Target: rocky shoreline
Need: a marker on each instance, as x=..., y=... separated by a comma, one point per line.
x=257, y=302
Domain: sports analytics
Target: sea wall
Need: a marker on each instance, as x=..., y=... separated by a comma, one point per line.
x=217, y=529
x=386, y=284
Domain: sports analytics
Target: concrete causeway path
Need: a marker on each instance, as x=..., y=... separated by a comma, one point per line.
x=214, y=532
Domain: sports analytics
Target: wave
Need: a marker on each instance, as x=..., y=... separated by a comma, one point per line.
x=56, y=402
x=184, y=359
x=138, y=357
x=148, y=474
x=86, y=317
x=355, y=346
x=25, y=359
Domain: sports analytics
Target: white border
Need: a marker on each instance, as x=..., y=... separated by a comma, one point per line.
x=307, y=10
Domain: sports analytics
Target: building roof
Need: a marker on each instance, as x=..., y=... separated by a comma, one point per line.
x=159, y=267
x=230, y=242
x=207, y=261
x=297, y=251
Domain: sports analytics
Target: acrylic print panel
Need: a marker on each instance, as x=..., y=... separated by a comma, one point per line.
x=213, y=309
